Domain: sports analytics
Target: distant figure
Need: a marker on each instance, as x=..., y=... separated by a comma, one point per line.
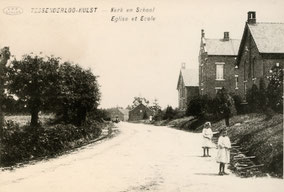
x=227, y=113
x=223, y=154
x=207, y=136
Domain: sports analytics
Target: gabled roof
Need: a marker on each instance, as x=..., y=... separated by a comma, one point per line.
x=141, y=105
x=269, y=37
x=188, y=77
x=221, y=47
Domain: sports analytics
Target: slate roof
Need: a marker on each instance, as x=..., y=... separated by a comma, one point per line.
x=269, y=37
x=221, y=47
x=189, y=77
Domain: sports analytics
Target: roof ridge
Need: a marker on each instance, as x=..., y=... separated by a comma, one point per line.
x=268, y=23
x=221, y=39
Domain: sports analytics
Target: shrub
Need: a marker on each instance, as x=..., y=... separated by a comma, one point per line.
x=158, y=115
x=238, y=105
x=170, y=113
x=275, y=89
x=25, y=143
x=196, y=107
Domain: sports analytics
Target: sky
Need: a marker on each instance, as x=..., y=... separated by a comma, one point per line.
x=130, y=58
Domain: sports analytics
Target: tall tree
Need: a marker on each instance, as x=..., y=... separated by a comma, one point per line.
x=34, y=80
x=155, y=106
x=79, y=93
x=140, y=100
x=4, y=57
x=275, y=88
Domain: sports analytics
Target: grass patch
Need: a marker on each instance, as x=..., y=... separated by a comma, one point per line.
x=259, y=137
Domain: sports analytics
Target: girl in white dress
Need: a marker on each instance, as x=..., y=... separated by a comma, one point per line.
x=223, y=154
x=207, y=136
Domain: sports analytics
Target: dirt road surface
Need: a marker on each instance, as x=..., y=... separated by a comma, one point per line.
x=139, y=158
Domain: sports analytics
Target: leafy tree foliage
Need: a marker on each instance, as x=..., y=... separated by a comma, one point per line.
x=215, y=108
x=79, y=93
x=169, y=113
x=155, y=106
x=4, y=57
x=139, y=100
x=275, y=89
x=195, y=107
x=34, y=80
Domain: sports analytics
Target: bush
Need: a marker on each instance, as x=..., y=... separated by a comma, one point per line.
x=204, y=106
x=238, y=105
x=170, y=113
x=275, y=89
x=196, y=107
x=159, y=115
x=25, y=143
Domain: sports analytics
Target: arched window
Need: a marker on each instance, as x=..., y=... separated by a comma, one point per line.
x=253, y=67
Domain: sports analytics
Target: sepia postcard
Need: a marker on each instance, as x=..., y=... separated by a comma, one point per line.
x=141, y=95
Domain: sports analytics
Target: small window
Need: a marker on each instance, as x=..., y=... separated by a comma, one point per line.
x=220, y=71
x=236, y=81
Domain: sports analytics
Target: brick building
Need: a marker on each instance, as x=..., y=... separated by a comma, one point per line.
x=140, y=112
x=217, y=59
x=261, y=48
x=187, y=87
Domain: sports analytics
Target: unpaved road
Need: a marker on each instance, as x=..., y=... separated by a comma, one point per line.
x=139, y=158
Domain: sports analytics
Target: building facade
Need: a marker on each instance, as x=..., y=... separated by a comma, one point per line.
x=118, y=113
x=261, y=48
x=217, y=59
x=140, y=112
x=187, y=87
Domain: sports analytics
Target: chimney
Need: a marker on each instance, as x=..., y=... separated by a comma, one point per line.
x=251, y=17
x=226, y=36
x=182, y=65
x=202, y=33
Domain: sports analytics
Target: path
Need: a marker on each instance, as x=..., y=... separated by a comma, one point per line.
x=139, y=158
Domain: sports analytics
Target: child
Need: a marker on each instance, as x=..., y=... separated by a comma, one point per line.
x=207, y=136
x=223, y=154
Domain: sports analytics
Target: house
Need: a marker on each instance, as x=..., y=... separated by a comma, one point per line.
x=187, y=87
x=118, y=113
x=217, y=59
x=261, y=48
x=140, y=112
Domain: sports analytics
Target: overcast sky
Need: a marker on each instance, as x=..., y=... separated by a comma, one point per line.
x=131, y=58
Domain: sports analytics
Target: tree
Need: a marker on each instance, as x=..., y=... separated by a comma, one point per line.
x=4, y=57
x=275, y=89
x=196, y=107
x=34, y=80
x=139, y=100
x=169, y=113
x=79, y=93
x=155, y=107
